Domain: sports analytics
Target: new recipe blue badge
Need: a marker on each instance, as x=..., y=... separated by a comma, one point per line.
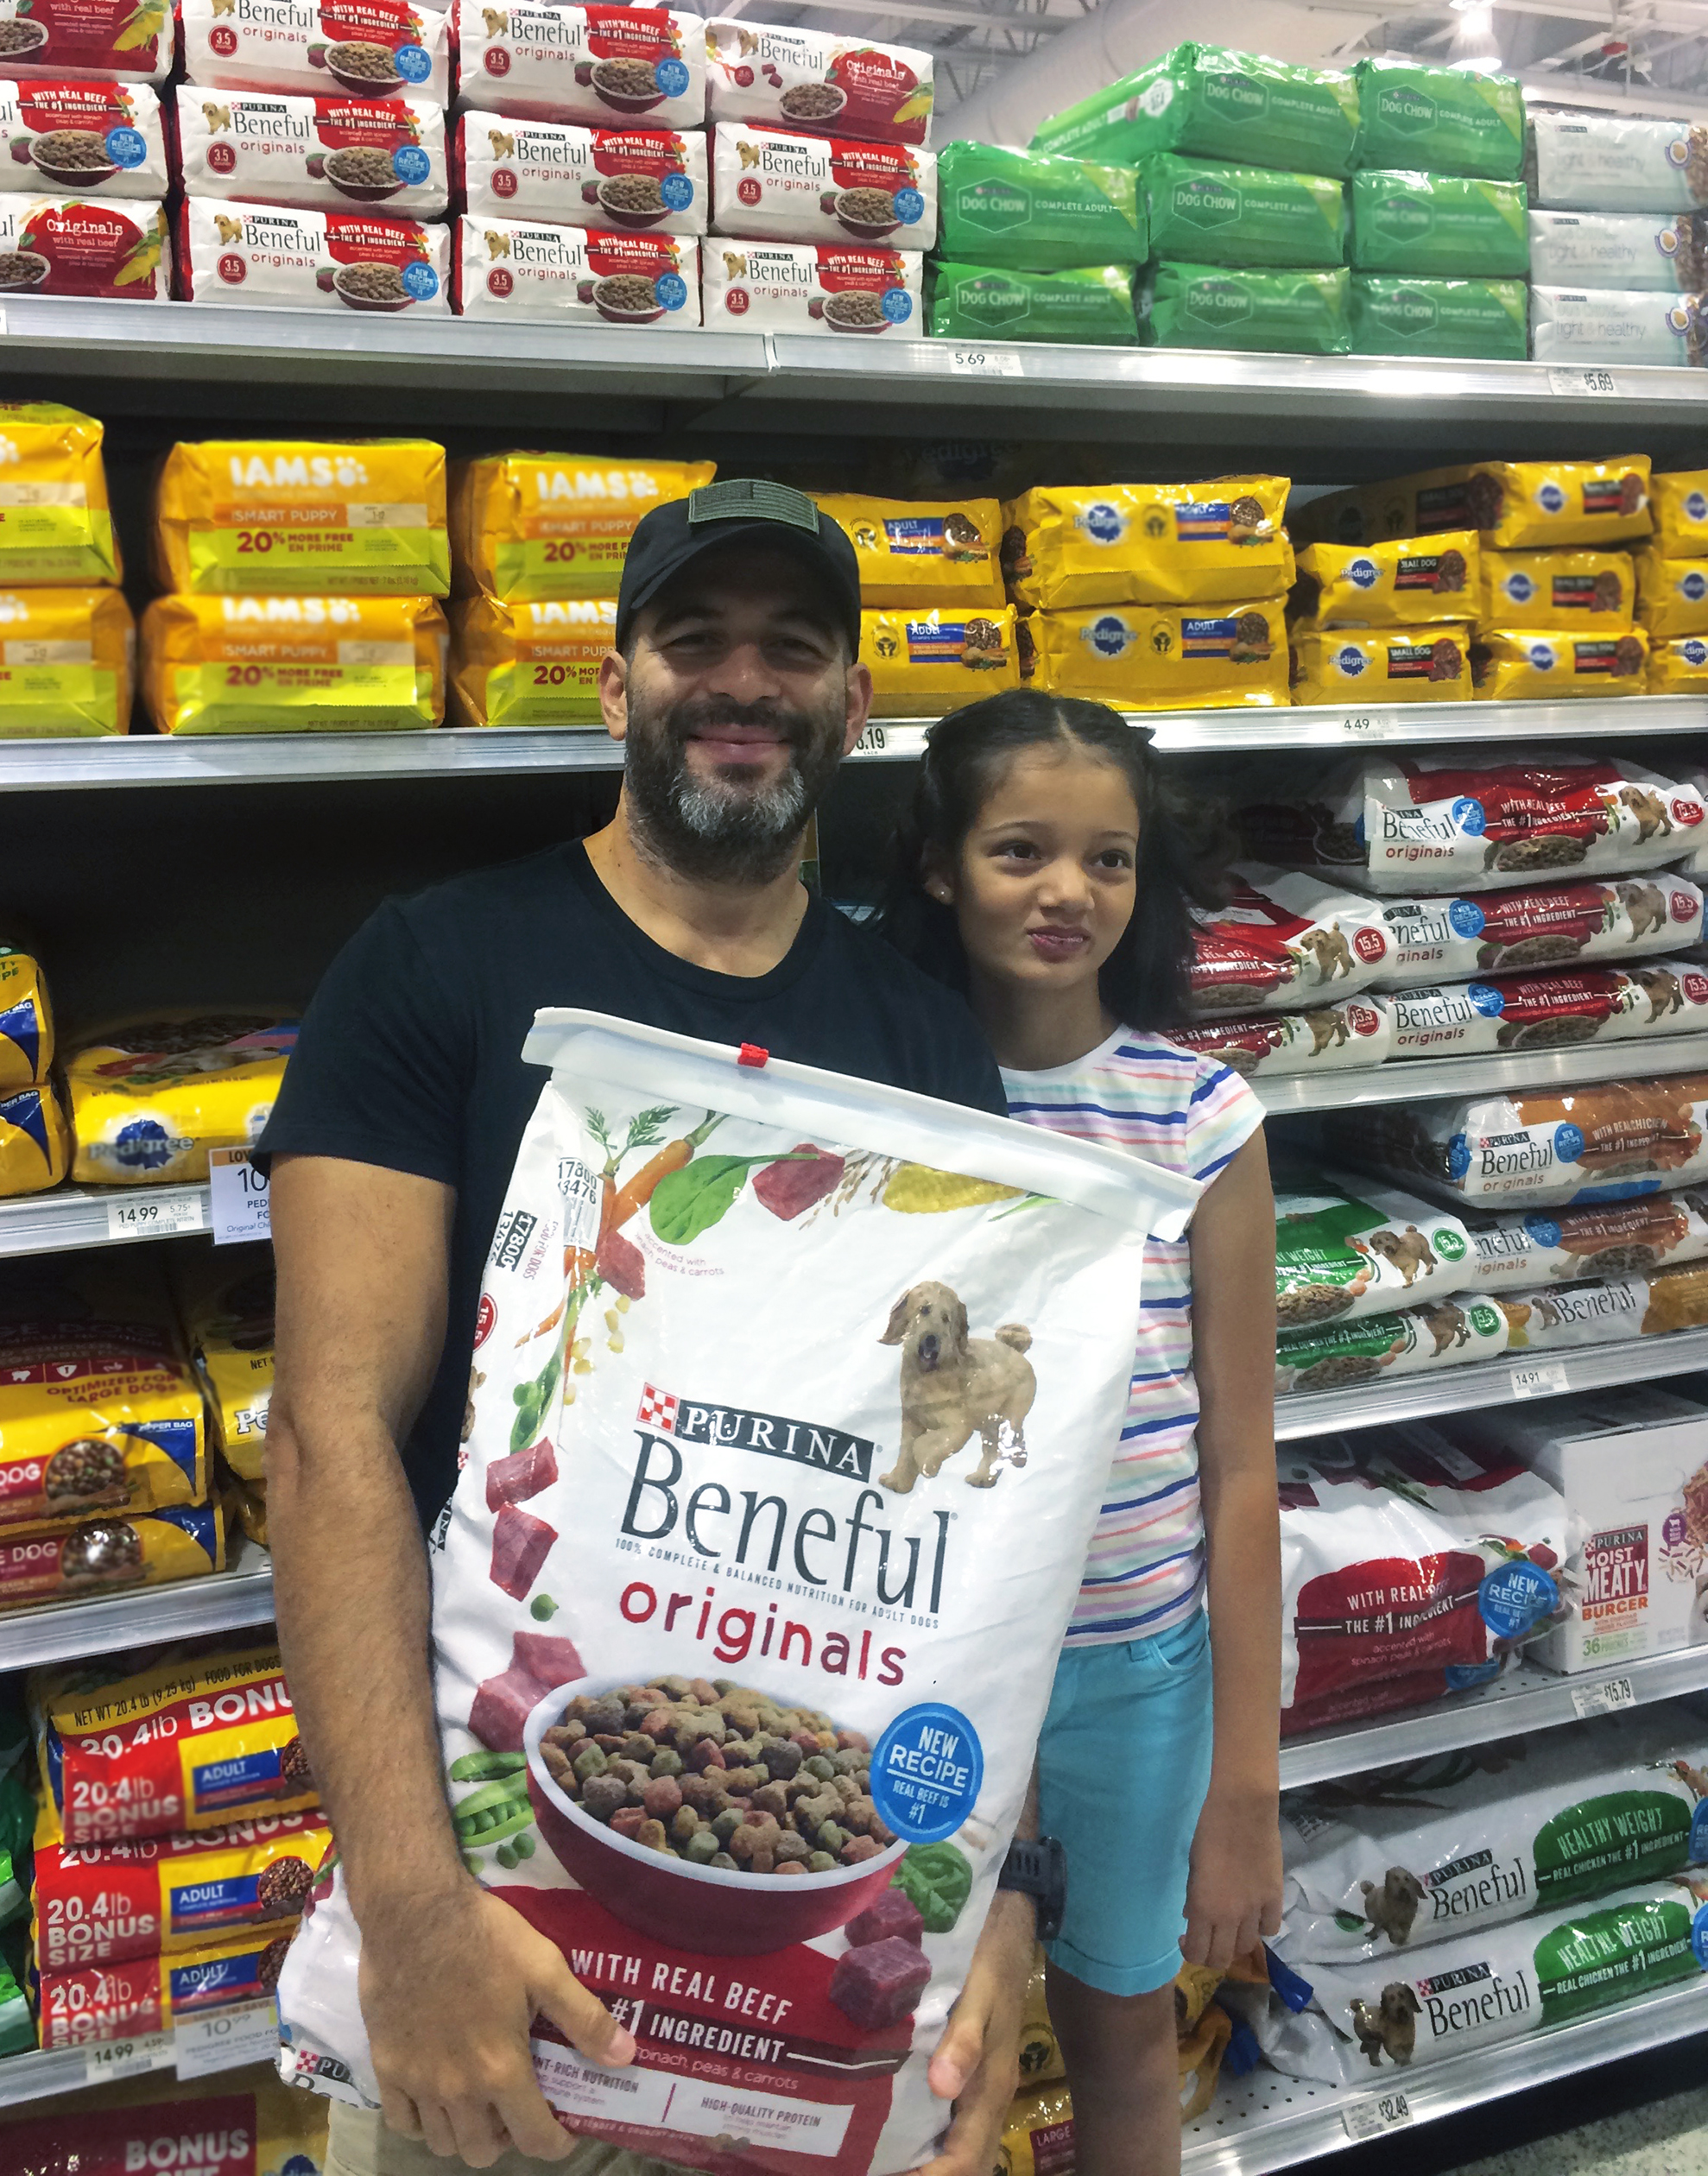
x=926, y=1770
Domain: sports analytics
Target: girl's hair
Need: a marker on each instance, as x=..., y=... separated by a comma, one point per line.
x=1185, y=845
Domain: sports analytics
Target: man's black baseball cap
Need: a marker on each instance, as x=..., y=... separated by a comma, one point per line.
x=673, y=535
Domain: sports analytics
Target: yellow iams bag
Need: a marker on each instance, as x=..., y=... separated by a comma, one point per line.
x=294, y=664
x=1535, y=505
x=26, y=1021
x=535, y=662
x=1558, y=589
x=1151, y=657
x=1421, y=581
x=937, y=552
x=1678, y=502
x=326, y=517
x=1380, y=664
x=1672, y=593
x=226, y=1299
x=1678, y=665
x=54, y=524
x=1147, y=543
x=1510, y=665
x=147, y=1102
x=927, y=662
x=556, y=524
x=35, y=1140
x=66, y=662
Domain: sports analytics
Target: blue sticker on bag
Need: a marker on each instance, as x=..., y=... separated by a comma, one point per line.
x=420, y=282
x=1568, y=1143
x=898, y=304
x=1514, y=1597
x=1698, y=1937
x=1465, y=918
x=1543, y=1230
x=677, y=191
x=411, y=165
x=1486, y=999
x=925, y=1772
x=1459, y=1156
x=909, y=206
x=672, y=77
x=413, y=62
x=127, y=147
x=671, y=289
x=1468, y=816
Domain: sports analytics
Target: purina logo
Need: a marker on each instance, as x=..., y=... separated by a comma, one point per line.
x=509, y=1242
x=807, y=1443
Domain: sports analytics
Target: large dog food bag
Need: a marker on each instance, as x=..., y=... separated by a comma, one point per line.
x=1415, y=582
x=1621, y=249
x=1030, y=212
x=1609, y=163
x=150, y=1098
x=1646, y=1304
x=1165, y=656
x=1441, y=223
x=932, y=659
x=1536, y=926
x=816, y=82
x=1672, y=595
x=1242, y=214
x=556, y=524
x=294, y=664
x=913, y=552
x=531, y=663
x=35, y=1140
x=1552, y=1011
x=266, y=257
x=1398, y=314
x=1089, y=305
x=762, y=1567
x=1614, y=324
x=1284, y=942
x=1333, y=1033
x=1330, y=1355
x=1512, y=1249
x=367, y=49
x=142, y=2123
x=70, y=660
x=329, y=153
x=1346, y=1248
x=26, y=1020
x=1206, y=543
x=81, y=135
x=514, y=268
x=778, y=185
x=1591, y=590
x=811, y=286
x=225, y=1303
x=57, y=526
x=1380, y=665
x=1517, y=505
x=643, y=178
x=1194, y=305
x=1441, y=120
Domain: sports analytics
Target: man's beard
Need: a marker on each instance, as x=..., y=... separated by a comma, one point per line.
x=723, y=827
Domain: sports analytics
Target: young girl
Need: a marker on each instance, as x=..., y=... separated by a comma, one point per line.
x=1047, y=871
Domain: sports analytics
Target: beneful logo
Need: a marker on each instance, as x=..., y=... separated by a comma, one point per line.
x=270, y=119
x=273, y=15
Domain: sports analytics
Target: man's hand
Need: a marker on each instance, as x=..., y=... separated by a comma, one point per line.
x=1234, y=1894
x=450, y=1985
x=977, y=2064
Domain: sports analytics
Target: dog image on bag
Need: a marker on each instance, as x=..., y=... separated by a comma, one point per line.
x=954, y=1387
x=1391, y=1908
x=1390, y=2028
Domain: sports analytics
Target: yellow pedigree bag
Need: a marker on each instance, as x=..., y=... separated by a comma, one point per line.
x=225, y=1303
x=1147, y=543
x=100, y=1412
x=1593, y=590
x=929, y=661
x=111, y=1555
x=1429, y=503
x=1155, y=657
x=942, y=552
x=1672, y=593
x=1523, y=506
x=54, y=522
x=187, y=1742
x=535, y=662
x=556, y=524
x=1678, y=665
x=294, y=664
x=1038, y=2133
x=251, y=1508
x=326, y=517
x=26, y=1021
x=1678, y=502
x=148, y=1101
x=35, y=1140
x=1041, y=2060
x=1516, y=665
x=1346, y=665
x=67, y=662
x=1419, y=581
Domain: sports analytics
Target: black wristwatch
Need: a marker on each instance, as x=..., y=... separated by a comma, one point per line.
x=1039, y=1870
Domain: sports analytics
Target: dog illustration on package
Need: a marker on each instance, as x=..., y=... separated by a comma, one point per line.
x=954, y=1387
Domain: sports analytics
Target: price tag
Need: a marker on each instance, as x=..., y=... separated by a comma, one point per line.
x=1365, y=724
x=1374, y=2114
x=107, y=2059
x=227, y=2039
x=148, y=1214
x=1546, y=1381
x=974, y=362
x=242, y=1203
x=872, y=741
x=1600, y=383
x=1606, y=1698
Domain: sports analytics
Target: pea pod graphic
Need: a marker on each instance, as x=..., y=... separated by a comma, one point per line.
x=687, y=1202
x=532, y=1400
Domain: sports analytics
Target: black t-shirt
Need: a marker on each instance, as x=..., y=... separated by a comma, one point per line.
x=409, y=1055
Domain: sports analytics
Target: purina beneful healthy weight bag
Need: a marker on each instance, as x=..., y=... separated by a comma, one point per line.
x=642, y=1736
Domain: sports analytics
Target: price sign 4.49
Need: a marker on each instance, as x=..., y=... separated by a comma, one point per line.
x=241, y=1208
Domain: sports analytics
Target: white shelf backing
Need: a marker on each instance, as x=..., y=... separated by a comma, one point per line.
x=1415, y=1080
x=71, y=1217
x=1266, y=2122
x=107, y=1623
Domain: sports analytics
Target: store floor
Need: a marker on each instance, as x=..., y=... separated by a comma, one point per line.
x=1645, y=2117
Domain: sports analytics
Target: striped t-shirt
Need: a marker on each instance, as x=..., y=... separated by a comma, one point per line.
x=1189, y=1114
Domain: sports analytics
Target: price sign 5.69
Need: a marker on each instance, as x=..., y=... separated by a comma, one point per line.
x=241, y=1209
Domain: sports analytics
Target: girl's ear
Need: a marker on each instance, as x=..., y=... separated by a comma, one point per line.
x=938, y=879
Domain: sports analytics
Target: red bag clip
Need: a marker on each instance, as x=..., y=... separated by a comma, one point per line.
x=751, y=1055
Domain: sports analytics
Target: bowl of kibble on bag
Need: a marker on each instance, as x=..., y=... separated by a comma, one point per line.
x=813, y=102
x=365, y=66
x=18, y=36
x=854, y=310
x=70, y=158
x=869, y=213
x=628, y=83
x=371, y=287
x=364, y=173
x=632, y=200
x=709, y=1806
x=627, y=298
x=21, y=268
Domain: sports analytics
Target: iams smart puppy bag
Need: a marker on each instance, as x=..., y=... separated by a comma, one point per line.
x=793, y=1401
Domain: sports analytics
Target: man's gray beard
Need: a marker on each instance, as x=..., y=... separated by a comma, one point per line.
x=715, y=830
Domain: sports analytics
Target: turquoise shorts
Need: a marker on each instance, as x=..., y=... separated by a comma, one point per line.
x=1123, y=1764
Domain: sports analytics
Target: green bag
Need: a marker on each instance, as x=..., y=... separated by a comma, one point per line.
x=17, y=1822
x=17, y=2024
x=1486, y=319
x=1035, y=213
x=1212, y=103
x=1210, y=306
x=1440, y=224
x=1087, y=303
x=1438, y=121
x=1241, y=215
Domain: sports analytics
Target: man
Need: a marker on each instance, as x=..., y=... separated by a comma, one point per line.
x=736, y=689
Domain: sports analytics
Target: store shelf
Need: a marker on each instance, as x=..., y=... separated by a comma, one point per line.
x=1413, y=1079
x=108, y=1623
x=1266, y=2122
x=73, y=1217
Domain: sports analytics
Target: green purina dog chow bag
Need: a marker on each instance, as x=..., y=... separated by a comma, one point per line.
x=1439, y=223
x=1439, y=120
x=1241, y=215
x=1089, y=304
x=1212, y=103
x=1485, y=319
x=1026, y=211
x=1212, y=305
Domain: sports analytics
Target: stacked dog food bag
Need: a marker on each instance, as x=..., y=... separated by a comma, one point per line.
x=35, y=1139
x=1438, y=241
x=225, y=1298
x=823, y=196
x=312, y=153
x=1617, y=238
x=580, y=155
x=1241, y=160
x=303, y=581
x=539, y=541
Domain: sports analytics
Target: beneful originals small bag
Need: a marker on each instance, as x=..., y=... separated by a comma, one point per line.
x=637, y=1395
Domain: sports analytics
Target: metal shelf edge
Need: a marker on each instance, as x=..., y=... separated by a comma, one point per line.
x=65, y=1218
x=1407, y=1080
x=64, y=1631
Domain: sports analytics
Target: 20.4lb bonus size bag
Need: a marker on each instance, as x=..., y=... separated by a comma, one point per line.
x=792, y=1399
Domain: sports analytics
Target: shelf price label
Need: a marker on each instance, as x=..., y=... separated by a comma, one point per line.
x=1363, y=725
x=1596, y=384
x=107, y=2059
x=1608, y=1698
x=226, y=2040
x=242, y=1201
x=980, y=362
x=1544, y=1380
x=1374, y=2114
x=152, y=1212
x=872, y=741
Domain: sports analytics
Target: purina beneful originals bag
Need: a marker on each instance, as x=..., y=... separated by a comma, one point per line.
x=838, y=1690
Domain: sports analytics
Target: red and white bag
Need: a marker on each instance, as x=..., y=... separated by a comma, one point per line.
x=267, y=256
x=644, y=283
x=363, y=48
x=639, y=180
x=778, y=185
x=937, y=1396
x=1541, y=926
x=1283, y=942
x=1341, y=1032
x=817, y=81
x=87, y=138
x=116, y=250
x=607, y=67
x=331, y=154
x=1521, y=1247
x=804, y=287
x=131, y=39
x=1552, y=1012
